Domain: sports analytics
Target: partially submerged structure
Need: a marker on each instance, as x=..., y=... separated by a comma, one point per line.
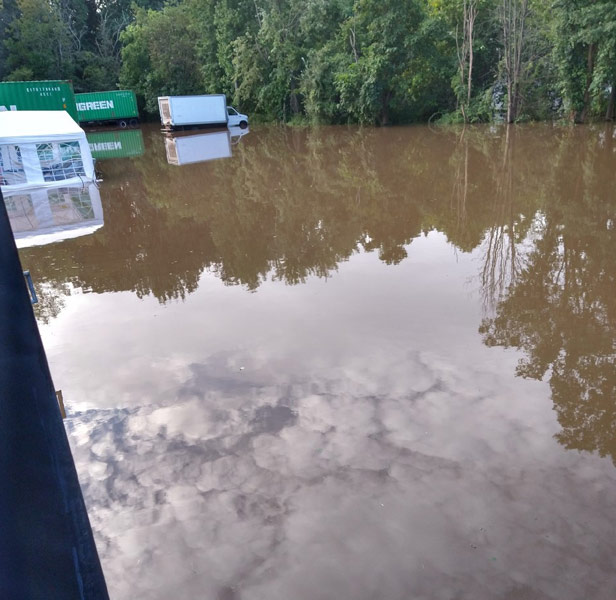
x=42, y=149
x=180, y=112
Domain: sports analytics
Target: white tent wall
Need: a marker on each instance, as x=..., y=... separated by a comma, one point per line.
x=42, y=149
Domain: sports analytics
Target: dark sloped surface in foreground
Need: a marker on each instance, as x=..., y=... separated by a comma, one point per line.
x=47, y=550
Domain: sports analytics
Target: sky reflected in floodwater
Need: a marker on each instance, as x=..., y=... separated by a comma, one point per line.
x=305, y=364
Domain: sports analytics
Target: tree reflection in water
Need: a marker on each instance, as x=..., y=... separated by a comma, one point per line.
x=560, y=309
x=537, y=203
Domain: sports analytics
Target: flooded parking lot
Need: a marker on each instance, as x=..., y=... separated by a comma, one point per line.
x=347, y=363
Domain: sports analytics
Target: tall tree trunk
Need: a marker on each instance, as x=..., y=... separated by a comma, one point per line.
x=513, y=14
x=515, y=102
x=293, y=99
x=294, y=102
x=466, y=53
x=385, y=99
x=590, y=65
x=472, y=14
x=610, y=113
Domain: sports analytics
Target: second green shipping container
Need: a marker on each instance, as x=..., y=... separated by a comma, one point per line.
x=114, y=105
x=38, y=95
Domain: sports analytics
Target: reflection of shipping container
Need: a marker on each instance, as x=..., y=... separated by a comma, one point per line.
x=38, y=95
x=44, y=215
x=116, y=144
x=117, y=106
x=186, y=149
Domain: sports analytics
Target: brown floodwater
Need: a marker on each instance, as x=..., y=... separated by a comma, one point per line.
x=341, y=363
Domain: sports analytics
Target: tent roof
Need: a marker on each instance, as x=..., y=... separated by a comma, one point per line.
x=34, y=125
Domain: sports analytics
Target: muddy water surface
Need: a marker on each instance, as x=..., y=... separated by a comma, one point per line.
x=344, y=363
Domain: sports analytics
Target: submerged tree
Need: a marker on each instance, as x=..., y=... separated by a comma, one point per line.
x=466, y=54
x=585, y=55
x=513, y=15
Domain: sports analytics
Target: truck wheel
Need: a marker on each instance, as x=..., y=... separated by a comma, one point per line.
x=122, y=123
x=133, y=122
x=243, y=124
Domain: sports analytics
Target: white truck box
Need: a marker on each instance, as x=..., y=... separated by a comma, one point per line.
x=178, y=111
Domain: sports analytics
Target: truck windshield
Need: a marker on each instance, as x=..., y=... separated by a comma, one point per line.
x=231, y=110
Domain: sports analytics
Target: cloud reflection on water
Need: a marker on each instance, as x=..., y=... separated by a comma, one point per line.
x=373, y=446
x=320, y=488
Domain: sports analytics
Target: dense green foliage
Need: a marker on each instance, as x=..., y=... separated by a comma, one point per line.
x=334, y=61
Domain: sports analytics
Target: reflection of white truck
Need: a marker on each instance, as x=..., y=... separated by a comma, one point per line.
x=186, y=111
x=187, y=149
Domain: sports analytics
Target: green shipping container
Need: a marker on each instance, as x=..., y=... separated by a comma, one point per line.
x=115, y=144
x=38, y=95
x=115, y=105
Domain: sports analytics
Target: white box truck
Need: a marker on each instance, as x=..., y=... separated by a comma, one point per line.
x=177, y=112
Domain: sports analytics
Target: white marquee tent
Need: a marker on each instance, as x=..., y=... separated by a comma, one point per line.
x=42, y=149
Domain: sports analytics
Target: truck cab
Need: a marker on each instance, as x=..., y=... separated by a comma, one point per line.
x=236, y=119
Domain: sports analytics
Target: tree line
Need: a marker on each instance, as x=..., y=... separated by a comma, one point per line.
x=330, y=61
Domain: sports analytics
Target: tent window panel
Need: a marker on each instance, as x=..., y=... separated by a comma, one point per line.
x=18, y=205
x=21, y=212
x=70, y=151
x=45, y=153
x=82, y=202
x=69, y=165
x=70, y=205
x=11, y=166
